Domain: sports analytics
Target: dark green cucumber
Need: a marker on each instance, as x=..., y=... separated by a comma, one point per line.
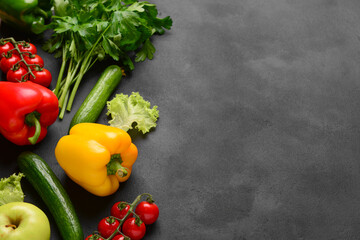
x=95, y=102
x=48, y=186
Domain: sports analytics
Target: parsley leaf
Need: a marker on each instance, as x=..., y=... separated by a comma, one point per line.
x=87, y=31
x=147, y=51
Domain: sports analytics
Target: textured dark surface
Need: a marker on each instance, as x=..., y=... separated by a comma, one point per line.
x=258, y=136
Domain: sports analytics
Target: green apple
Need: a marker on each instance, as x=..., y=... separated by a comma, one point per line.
x=20, y=221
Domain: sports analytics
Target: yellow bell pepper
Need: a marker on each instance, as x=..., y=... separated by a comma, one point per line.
x=97, y=157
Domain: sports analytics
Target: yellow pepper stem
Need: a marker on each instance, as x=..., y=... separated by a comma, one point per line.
x=122, y=172
x=114, y=166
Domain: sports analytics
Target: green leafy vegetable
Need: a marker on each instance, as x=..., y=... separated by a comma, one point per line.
x=10, y=189
x=126, y=110
x=87, y=31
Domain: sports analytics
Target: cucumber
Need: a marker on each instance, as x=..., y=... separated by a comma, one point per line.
x=48, y=186
x=95, y=102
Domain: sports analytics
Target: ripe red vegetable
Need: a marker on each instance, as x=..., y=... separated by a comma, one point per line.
x=107, y=226
x=22, y=63
x=8, y=62
x=119, y=210
x=27, y=109
x=148, y=212
x=42, y=77
x=33, y=59
x=16, y=74
x=27, y=47
x=92, y=237
x=132, y=227
x=118, y=237
x=134, y=231
x=4, y=48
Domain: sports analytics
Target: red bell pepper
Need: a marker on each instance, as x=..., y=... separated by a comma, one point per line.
x=26, y=110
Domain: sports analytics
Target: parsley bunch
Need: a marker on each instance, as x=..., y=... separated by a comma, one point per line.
x=87, y=31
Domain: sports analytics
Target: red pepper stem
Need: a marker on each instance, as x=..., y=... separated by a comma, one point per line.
x=32, y=120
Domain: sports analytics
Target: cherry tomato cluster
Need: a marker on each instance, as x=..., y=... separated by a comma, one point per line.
x=125, y=223
x=20, y=62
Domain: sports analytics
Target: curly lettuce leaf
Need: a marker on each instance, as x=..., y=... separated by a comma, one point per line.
x=10, y=189
x=125, y=110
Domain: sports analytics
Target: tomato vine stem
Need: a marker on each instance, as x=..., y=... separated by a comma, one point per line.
x=16, y=48
x=130, y=211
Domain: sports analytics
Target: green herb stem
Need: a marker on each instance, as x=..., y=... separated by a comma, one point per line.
x=72, y=71
x=67, y=84
x=89, y=31
x=84, y=68
x=87, y=63
x=62, y=112
x=61, y=73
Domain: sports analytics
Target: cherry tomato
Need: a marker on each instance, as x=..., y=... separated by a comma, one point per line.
x=33, y=59
x=16, y=74
x=92, y=237
x=118, y=237
x=42, y=77
x=117, y=212
x=132, y=230
x=107, y=226
x=148, y=212
x=7, y=63
x=27, y=47
x=5, y=48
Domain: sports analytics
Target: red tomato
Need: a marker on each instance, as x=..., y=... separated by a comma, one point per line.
x=16, y=75
x=118, y=237
x=117, y=212
x=32, y=60
x=5, y=48
x=27, y=47
x=107, y=226
x=92, y=237
x=148, y=212
x=132, y=230
x=42, y=77
x=7, y=63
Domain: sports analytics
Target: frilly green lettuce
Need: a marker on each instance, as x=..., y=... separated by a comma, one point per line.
x=125, y=110
x=10, y=189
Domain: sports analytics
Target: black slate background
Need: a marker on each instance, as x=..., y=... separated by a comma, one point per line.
x=258, y=136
